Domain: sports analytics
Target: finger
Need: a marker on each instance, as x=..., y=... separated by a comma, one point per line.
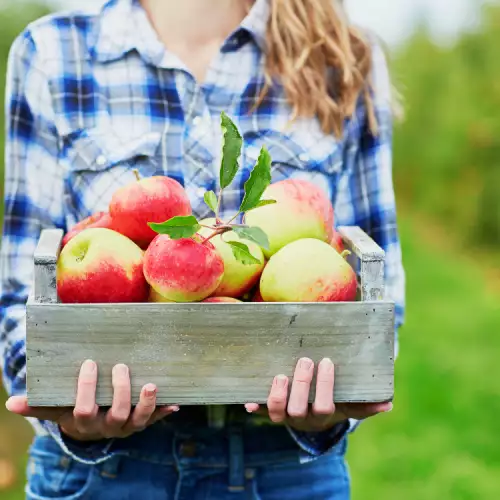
x=143, y=411
x=276, y=402
x=298, y=404
x=19, y=406
x=252, y=407
x=323, y=402
x=119, y=413
x=161, y=413
x=360, y=411
x=86, y=410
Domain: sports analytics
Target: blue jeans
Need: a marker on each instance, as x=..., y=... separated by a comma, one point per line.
x=171, y=462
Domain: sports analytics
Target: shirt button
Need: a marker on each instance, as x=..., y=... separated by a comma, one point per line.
x=101, y=161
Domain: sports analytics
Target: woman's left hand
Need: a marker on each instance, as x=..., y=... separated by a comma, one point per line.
x=323, y=414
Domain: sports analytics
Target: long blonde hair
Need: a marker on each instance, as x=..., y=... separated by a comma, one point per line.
x=321, y=60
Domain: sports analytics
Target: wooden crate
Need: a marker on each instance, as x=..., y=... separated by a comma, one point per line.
x=210, y=353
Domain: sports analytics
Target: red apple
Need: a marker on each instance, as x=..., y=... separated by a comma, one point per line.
x=99, y=219
x=337, y=242
x=184, y=270
x=258, y=296
x=99, y=265
x=154, y=199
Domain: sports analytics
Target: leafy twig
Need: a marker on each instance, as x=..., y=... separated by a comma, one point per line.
x=258, y=181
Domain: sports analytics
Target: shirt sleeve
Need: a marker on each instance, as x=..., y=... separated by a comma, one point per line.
x=365, y=195
x=33, y=200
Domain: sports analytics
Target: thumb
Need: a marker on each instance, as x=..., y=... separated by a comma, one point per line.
x=19, y=406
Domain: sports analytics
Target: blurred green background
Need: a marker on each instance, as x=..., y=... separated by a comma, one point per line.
x=441, y=442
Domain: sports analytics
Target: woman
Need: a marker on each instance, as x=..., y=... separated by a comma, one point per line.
x=141, y=85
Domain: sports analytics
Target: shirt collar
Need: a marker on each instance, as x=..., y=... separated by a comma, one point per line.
x=256, y=22
x=123, y=26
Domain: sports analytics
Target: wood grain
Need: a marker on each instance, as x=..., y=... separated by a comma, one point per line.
x=208, y=353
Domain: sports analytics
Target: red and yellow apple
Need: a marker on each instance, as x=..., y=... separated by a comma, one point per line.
x=99, y=219
x=215, y=300
x=337, y=242
x=153, y=199
x=257, y=296
x=184, y=270
x=302, y=210
x=308, y=270
x=238, y=278
x=99, y=265
x=154, y=296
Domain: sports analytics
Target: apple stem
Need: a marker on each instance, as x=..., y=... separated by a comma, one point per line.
x=233, y=218
x=345, y=254
x=219, y=199
x=218, y=231
x=137, y=174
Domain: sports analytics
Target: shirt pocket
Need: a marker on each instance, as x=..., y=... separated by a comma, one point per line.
x=320, y=164
x=99, y=161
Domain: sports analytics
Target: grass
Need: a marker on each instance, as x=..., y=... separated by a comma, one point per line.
x=441, y=441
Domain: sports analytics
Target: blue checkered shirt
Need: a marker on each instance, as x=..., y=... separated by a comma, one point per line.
x=90, y=96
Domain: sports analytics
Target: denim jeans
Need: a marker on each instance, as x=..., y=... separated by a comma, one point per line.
x=172, y=462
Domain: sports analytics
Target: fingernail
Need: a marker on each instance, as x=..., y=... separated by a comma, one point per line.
x=175, y=409
x=328, y=364
x=8, y=405
x=388, y=408
x=249, y=410
x=120, y=370
x=89, y=367
x=281, y=381
x=305, y=363
x=150, y=390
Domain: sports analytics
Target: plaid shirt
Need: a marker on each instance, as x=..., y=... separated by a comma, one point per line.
x=92, y=96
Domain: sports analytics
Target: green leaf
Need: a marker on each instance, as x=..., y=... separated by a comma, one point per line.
x=211, y=200
x=254, y=234
x=258, y=181
x=231, y=151
x=242, y=253
x=262, y=203
x=177, y=227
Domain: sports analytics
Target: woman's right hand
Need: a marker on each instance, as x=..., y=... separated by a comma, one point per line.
x=86, y=422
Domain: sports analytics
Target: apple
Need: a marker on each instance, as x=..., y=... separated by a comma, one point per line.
x=302, y=210
x=308, y=270
x=99, y=265
x=337, y=242
x=154, y=296
x=221, y=299
x=183, y=270
x=99, y=219
x=154, y=199
x=257, y=296
x=238, y=278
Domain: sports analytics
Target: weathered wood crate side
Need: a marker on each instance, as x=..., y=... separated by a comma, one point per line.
x=199, y=353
